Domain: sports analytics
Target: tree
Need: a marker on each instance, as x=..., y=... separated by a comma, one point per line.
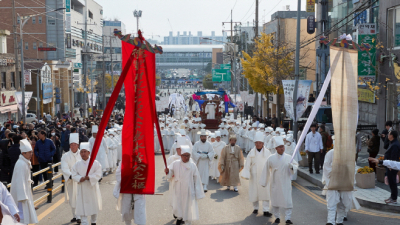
x=269, y=65
x=108, y=81
x=208, y=68
x=90, y=86
x=158, y=80
x=207, y=82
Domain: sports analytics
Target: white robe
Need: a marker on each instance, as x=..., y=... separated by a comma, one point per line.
x=250, y=139
x=217, y=146
x=112, y=145
x=173, y=148
x=88, y=199
x=193, y=132
x=165, y=139
x=21, y=190
x=277, y=174
x=203, y=153
x=239, y=137
x=124, y=203
x=289, y=149
x=171, y=138
x=101, y=157
x=68, y=160
x=7, y=204
x=156, y=141
x=210, y=109
x=252, y=171
x=118, y=138
x=224, y=135
x=186, y=191
x=243, y=137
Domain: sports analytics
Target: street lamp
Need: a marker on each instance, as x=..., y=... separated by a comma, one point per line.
x=22, y=23
x=137, y=14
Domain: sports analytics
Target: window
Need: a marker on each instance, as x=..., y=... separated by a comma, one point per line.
x=39, y=19
x=90, y=15
x=26, y=46
x=393, y=22
x=51, y=22
x=3, y=80
x=34, y=45
x=12, y=80
x=40, y=44
x=33, y=20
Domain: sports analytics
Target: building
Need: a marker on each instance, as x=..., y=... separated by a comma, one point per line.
x=188, y=39
x=281, y=26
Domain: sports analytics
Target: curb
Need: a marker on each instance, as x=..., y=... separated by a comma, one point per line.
x=363, y=203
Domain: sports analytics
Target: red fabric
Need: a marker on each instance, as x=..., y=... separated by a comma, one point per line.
x=138, y=166
x=107, y=113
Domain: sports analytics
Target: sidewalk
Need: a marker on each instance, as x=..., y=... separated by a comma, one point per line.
x=370, y=198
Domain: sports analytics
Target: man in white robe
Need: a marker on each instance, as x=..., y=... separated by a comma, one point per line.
x=268, y=135
x=242, y=136
x=252, y=171
x=184, y=141
x=338, y=202
x=131, y=206
x=203, y=153
x=101, y=157
x=193, y=130
x=21, y=181
x=218, y=145
x=171, y=136
x=187, y=189
x=277, y=173
x=210, y=110
x=68, y=160
x=112, y=146
x=224, y=133
x=8, y=206
x=88, y=197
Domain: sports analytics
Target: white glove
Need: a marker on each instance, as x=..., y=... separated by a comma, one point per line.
x=203, y=156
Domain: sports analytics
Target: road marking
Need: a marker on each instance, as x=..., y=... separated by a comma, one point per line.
x=323, y=201
x=52, y=208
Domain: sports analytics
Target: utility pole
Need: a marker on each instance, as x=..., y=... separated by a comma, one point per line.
x=104, y=79
x=112, y=68
x=297, y=70
x=255, y=38
x=14, y=19
x=85, y=63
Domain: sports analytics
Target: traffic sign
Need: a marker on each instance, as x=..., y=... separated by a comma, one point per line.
x=225, y=66
x=219, y=75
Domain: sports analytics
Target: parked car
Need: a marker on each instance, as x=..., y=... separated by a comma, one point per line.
x=30, y=117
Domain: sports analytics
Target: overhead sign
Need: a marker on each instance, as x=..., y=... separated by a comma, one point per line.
x=365, y=95
x=225, y=66
x=311, y=24
x=67, y=5
x=310, y=5
x=78, y=65
x=367, y=60
x=219, y=75
x=47, y=49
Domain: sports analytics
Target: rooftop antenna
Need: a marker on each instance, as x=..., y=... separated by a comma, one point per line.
x=170, y=26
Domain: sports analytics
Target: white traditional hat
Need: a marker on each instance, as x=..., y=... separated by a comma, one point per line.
x=119, y=128
x=269, y=129
x=254, y=125
x=289, y=138
x=244, y=125
x=180, y=141
x=212, y=135
x=170, y=126
x=227, y=126
x=95, y=129
x=185, y=118
x=74, y=138
x=290, y=132
x=217, y=133
x=232, y=137
x=261, y=125
x=259, y=137
x=182, y=131
x=284, y=137
x=278, y=141
x=185, y=149
x=223, y=120
x=25, y=146
x=202, y=132
x=273, y=133
x=237, y=123
x=162, y=125
x=85, y=145
x=202, y=125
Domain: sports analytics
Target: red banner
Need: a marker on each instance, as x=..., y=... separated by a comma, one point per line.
x=138, y=166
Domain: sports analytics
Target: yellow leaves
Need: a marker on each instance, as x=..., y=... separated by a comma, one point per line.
x=387, y=79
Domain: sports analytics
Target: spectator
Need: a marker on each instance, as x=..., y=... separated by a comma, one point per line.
x=384, y=135
x=4, y=158
x=274, y=120
x=325, y=137
x=358, y=143
x=314, y=148
x=7, y=126
x=14, y=152
x=373, y=147
x=44, y=150
x=65, y=138
x=48, y=117
x=35, y=162
x=57, y=143
x=311, y=98
x=392, y=153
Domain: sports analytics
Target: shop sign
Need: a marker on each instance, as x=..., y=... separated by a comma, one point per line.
x=7, y=98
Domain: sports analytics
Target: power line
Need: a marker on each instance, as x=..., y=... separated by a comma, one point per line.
x=232, y=9
x=248, y=11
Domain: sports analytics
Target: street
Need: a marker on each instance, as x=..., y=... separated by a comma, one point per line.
x=220, y=206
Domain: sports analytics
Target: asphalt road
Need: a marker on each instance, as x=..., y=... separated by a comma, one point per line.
x=219, y=207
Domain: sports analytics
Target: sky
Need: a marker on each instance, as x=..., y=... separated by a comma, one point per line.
x=159, y=17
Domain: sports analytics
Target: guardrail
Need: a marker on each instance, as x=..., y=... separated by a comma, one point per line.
x=48, y=183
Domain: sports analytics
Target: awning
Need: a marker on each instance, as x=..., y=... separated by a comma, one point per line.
x=9, y=108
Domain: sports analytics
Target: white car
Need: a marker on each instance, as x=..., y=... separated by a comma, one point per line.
x=30, y=117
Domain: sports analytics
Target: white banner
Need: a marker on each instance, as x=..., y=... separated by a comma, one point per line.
x=28, y=77
x=313, y=113
x=90, y=98
x=302, y=97
x=28, y=96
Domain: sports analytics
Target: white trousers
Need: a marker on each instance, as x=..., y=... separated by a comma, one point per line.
x=288, y=212
x=340, y=202
x=139, y=212
x=265, y=205
x=84, y=219
x=74, y=215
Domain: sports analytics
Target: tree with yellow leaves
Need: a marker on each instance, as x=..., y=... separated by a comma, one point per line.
x=269, y=65
x=108, y=81
x=90, y=87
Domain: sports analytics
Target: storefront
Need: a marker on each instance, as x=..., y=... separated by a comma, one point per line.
x=8, y=106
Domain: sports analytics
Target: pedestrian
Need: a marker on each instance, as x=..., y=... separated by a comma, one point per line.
x=102, y=154
x=392, y=153
x=252, y=171
x=81, y=111
x=57, y=143
x=187, y=180
x=131, y=206
x=203, y=153
x=21, y=190
x=35, y=161
x=14, y=152
x=44, y=150
x=218, y=145
x=313, y=148
x=373, y=147
x=385, y=134
x=9, y=208
x=68, y=160
x=65, y=137
x=88, y=196
x=325, y=137
x=277, y=174
x=230, y=164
